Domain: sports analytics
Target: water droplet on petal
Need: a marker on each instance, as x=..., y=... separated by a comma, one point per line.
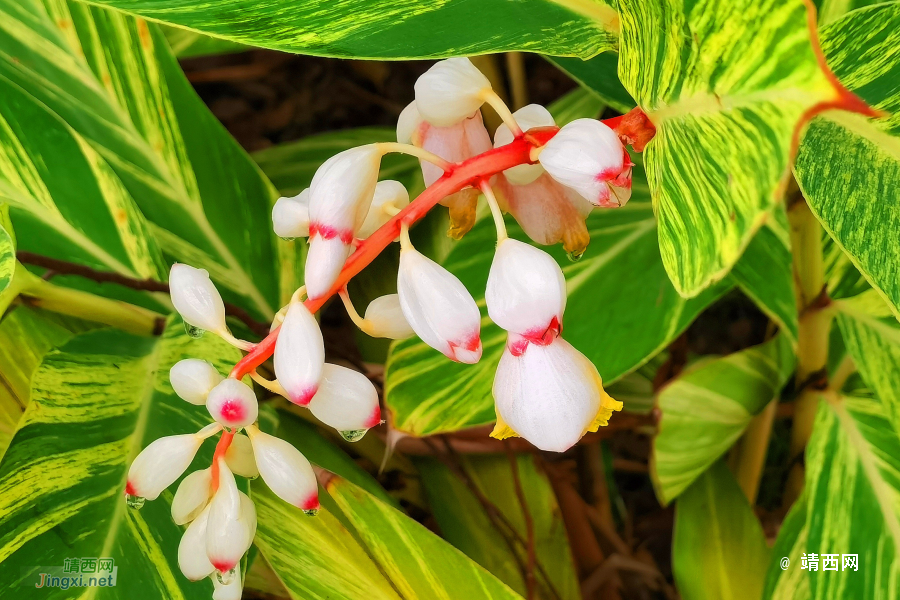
x=311, y=513
x=227, y=577
x=135, y=502
x=354, y=435
x=194, y=332
x=575, y=256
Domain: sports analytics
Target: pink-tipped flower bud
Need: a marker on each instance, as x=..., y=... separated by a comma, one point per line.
x=439, y=308
x=450, y=91
x=385, y=318
x=347, y=401
x=192, y=496
x=233, y=404
x=299, y=354
x=285, y=470
x=196, y=298
x=290, y=216
x=160, y=464
x=526, y=292
x=228, y=530
x=389, y=194
x=192, y=558
x=588, y=157
x=234, y=590
x=239, y=457
x=533, y=115
x=193, y=379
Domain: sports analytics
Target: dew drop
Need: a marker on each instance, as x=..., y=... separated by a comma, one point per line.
x=575, y=256
x=135, y=502
x=354, y=435
x=311, y=512
x=227, y=577
x=194, y=332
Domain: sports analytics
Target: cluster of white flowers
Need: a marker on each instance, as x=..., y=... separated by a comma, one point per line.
x=544, y=389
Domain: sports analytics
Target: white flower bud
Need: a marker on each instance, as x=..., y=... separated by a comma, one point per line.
x=450, y=91
x=588, y=157
x=285, y=470
x=533, y=115
x=388, y=193
x=439, y=308
x=324, y=261
x=346, y=400
x=160, y=464
x=299, y=354
x=526, y=291
x=192, y=559
x=196, y=298
x=227, y=530
x=239, y=457
x=192, y=379
x=234, y=590
x=408, y=122
x=192, y=496
x=385, y=318
x=233, y=404
x=290, y=216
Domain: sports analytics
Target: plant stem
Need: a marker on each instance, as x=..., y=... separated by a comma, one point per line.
x=751, y=456
x=518, y=83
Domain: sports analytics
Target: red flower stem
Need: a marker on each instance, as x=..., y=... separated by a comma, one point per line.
x=221, y=449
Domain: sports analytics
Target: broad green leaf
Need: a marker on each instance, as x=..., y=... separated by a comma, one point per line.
x=464, y=523
x=580, y=103
x=188, y=44
x=359, y=546
x=719, y=551
x=114, y=81
x=96, y=402
x=706, y=409
x=621, y=311
x=7, y=249
x=726, y=85
x=849, y=167
x=831, y=10
x=785, y=579
x=385, y=29
x=599, y=74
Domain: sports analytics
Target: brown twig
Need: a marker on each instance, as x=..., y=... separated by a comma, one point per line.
x=529, y=522
x=62, y=267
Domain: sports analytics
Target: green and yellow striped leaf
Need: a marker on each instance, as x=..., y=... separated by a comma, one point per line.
x=719, y=551
x=786, y=580
x=707, y=408
x=189, y=44
x=726, y=84
x=7, y=250
x=96, y=402
x=849, y=167
x=144, y=133
x=387, y=29
x=464, y=523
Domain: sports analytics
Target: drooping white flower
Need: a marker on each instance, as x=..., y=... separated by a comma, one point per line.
x=299, y=354
x=386, y=320
x=450, y=91
x=192, y=558
x=533, y=115
x=228, y=534
x=346, y=400
x=285, y=470
x=388, y=194
x=160, y=464
x=233, y=404
x=196, y=298
x=550, y=395
x=324, y=261
x=588, y=157
x=290, y=216
x=239, y=457
x=438, y=307
x=526, y=291
x=192, y=496
x=192, y=379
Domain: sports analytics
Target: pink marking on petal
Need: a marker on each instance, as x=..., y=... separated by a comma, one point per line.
x=544, y=336
x=304, y=397
x=223, y=566
x=129, y=489
x=518, y=347
x=374, y=419
x=311, y=503
x=233, y=411
x=471, y=344
x=327, y=232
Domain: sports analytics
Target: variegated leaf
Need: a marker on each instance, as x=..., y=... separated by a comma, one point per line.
x=785, y=579
x=7, y=251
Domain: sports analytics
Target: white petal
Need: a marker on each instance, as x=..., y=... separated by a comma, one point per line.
x=290, y=216
x=386, y=320
x=299, y=354
x=388, y=193
x=192, y=559
x=160, y=464
x=285, y=470
x=526, y=290
x=239, y=457
x=450, y=91
x=455, y=143
x=585, y=155
x=439, y=308
x=232, y=591
x=196, y=298
x=346, y=400
x=409, y=121
x=341, y=191
x=192, y=379
x=192, y=496
x=549, y=395
x=227, y=533
x=533, y=115
x=324, y=262
x=248, y=514
x=233, y=404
